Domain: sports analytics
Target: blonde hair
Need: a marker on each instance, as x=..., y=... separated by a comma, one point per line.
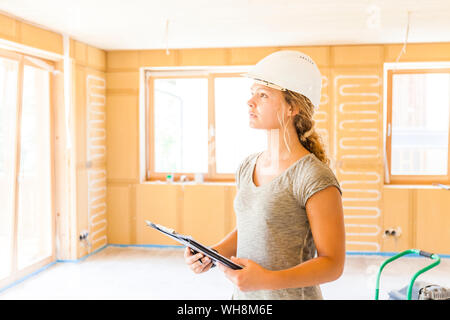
x=305, y=125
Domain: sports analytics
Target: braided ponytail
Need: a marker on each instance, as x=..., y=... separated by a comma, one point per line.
x=305, y=125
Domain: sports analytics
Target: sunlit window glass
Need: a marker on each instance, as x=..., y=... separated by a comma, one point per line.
x=181, y=125
x=35, y=194
x=420, y=124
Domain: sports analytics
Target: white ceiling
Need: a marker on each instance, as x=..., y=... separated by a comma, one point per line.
x=141, y=24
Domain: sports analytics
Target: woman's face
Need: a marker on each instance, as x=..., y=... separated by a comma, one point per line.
x=266, y=107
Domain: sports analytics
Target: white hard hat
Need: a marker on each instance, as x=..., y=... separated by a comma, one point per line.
x=289, y=70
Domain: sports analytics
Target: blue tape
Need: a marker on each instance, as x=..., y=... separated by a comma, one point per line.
x=388, y=254
x=27, y=277
x=82, y=258
x=48, y=266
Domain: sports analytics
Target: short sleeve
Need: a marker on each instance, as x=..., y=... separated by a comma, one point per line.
x=315, y=179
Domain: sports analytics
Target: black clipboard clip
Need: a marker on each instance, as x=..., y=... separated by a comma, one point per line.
x=194, y=245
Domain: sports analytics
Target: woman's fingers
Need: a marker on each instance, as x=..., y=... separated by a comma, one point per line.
x=206, y=266
x=194, y=258
x=199, y=267
x=197, y=262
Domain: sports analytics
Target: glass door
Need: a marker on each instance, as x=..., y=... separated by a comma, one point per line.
x=34, y=210
x=26, y=167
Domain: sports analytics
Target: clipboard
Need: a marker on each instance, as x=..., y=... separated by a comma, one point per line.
x=194, y=245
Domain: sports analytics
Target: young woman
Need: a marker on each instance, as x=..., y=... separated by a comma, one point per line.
x=289, y=234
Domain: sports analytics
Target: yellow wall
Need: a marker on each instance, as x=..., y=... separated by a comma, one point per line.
x=420, y=213
x=90, y=112
x=350, y=119
x=26, y=34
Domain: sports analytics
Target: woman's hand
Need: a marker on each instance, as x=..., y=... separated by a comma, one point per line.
x=197, y=262
x=251, y=277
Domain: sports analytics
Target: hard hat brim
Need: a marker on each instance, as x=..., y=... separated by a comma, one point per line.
x=263, y=82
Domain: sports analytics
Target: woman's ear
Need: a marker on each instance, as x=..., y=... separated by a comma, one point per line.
x=292, y=112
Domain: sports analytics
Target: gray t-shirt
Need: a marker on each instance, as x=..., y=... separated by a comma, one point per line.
x=272, y=224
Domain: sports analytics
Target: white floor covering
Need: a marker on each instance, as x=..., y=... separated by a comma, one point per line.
x=160, y=273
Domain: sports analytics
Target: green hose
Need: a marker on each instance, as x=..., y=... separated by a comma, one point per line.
x=401, y=254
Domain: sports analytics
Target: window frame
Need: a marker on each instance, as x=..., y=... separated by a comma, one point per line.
x=47, y=65
x=410, y=179
x=210, y=73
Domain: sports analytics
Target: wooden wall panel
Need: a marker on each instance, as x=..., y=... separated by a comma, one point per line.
x=204, y=215
x=417, y=52
x=158, y=58
x=78, y=51
x=90, y=122
x=203, y=57
x=39, y=38
x=160, y=204
x=433, y=220
x=119, y=226
x=123, y=82
x=122, y=132
x=249, y=56
x=8, y=28
x=397, y=213
x=29, y=35
x=96, y=58
x=420, y=212
x=122, y=60
x=357, y=56
x=88, y=56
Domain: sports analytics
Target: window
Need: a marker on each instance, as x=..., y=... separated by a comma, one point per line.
x=418, y=121
x=26, y=213
x=197, y=122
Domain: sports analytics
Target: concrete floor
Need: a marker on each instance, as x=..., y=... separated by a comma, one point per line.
x=160, y=273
